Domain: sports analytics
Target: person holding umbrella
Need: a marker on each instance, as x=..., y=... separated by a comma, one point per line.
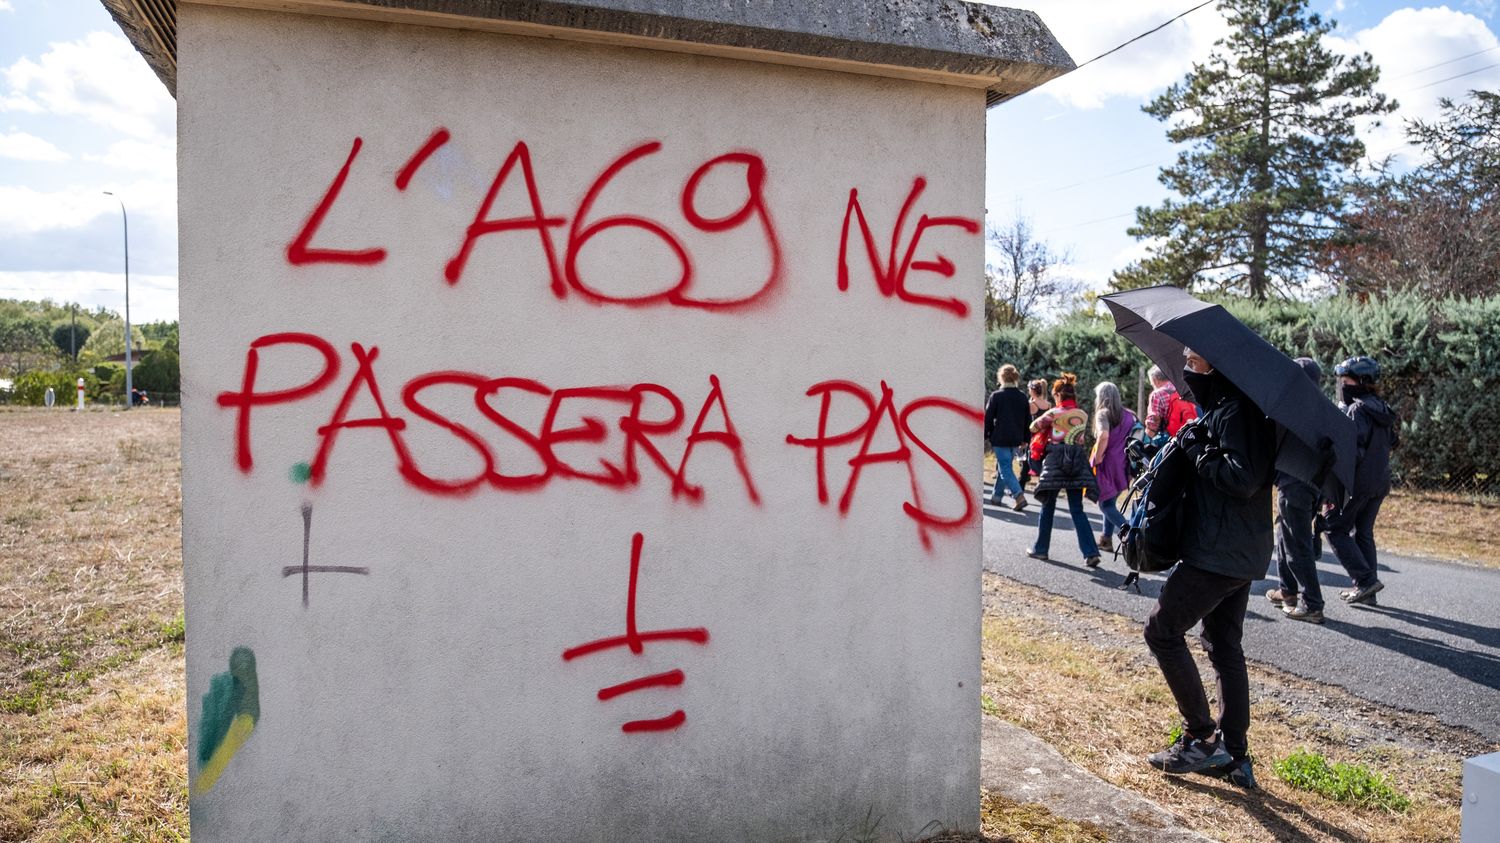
x=1260, y=413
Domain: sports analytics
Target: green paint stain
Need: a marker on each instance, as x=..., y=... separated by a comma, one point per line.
x=234, y=692
x=301, y=472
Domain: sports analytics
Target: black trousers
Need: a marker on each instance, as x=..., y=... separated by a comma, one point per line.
x=1296, y=549
x=1351, y=532
x=1191, y=595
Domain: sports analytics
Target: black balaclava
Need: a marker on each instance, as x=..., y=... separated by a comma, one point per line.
x=1205, y=388
x=1351, y=392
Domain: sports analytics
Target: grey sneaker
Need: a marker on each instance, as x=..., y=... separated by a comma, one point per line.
x=1239, y=773
x=1035, y=555
x=1300, y=612
x=1363, y=595
x=1190, y=755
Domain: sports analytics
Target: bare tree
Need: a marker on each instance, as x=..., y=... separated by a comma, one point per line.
x=1029, y=276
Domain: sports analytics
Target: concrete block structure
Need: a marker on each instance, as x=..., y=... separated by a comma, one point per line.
x=581, y=437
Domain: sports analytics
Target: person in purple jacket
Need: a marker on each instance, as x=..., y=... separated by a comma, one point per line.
x=1112, y=426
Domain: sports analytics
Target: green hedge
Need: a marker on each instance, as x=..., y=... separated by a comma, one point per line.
x=1440, y=362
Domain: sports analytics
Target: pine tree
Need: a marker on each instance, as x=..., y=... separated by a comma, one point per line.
x=1269, y=123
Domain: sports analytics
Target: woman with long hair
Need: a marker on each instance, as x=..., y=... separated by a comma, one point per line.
x=1112, y=426
x=1065, y=468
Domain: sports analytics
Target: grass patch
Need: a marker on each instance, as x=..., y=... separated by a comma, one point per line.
x=1354, y=784
x=1025, y=822
x=1110, y=717
x=988, y=705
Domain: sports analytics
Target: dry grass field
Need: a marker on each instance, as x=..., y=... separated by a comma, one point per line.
x=93, y=732
x=92, y=725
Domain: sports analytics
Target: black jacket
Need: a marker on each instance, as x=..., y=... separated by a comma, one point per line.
x=1007, y=418
x=1375, y=434
x=1066, y=467
x=1227, y=526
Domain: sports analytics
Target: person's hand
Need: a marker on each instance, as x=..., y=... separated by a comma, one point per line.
x=1195, y=438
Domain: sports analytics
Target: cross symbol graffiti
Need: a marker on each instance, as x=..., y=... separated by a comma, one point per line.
x=304, y=569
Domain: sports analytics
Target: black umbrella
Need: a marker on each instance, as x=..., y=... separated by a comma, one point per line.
x=1162, y=321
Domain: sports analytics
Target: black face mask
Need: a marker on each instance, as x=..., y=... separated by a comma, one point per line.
x=1203, y=386
x=1351, y=392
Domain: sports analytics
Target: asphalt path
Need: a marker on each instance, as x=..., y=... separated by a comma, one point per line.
x=1431, y=645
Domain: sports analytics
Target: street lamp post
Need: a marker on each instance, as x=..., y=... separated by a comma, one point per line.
x=125, y=218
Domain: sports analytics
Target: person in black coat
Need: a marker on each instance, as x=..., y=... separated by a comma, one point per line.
x=1351, y=528
x=1006, y=427
x=1299, y=595
x=1226, y=546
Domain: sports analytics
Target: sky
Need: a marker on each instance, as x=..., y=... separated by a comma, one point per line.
x=81, y=113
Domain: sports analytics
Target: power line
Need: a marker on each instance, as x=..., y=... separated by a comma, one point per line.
x=1155, y=29
x=1448, y=62
x=1451, y=78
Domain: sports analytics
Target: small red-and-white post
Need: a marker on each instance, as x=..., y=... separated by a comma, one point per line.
x=80, y=393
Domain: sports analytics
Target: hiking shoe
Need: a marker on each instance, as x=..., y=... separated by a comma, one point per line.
x=1093, y=561
x=1300, y=612
x=1190, y=755
x=1239, y=773
x=1363, y=595
x=1106, y=542
x=1035, y=555
x=1020, y=503
x=1280, y=598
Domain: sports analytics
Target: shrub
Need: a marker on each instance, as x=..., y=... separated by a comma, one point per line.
x=1438, y=359
x=31, y=387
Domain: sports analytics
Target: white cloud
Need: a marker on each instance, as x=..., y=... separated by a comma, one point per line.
x=153, y=298
x=1087, y=28
x=158, y=157
x=99, y=78
x=5, y=6
x=24, y=210
x=24, y=147
x=1415, y=49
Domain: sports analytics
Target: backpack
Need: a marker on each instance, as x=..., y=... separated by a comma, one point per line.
x=1179, y=412
x=1152, y=537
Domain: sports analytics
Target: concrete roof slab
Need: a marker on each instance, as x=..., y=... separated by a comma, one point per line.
x=1005, y=51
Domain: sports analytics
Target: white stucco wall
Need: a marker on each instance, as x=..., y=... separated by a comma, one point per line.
x=429, y=698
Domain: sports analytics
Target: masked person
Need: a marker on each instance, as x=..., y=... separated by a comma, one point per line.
x=1226, y=546
x=1351, y=528
x=1298, y=595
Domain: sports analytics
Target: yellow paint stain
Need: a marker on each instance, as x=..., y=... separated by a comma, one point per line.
x=239, y=731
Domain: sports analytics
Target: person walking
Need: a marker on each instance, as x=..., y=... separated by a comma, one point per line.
x=1006, y=427
x=1038, y=404
x=1112, y=426
x=1065, y=468
x=1351, y=527
x=1226, y=546
x=1298, y=594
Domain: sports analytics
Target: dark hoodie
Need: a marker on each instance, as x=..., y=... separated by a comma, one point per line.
x=1314, y=373
x=1376, y=433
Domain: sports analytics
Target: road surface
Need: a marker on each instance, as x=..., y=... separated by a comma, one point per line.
x=1432, y=645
